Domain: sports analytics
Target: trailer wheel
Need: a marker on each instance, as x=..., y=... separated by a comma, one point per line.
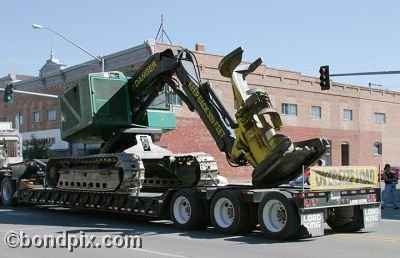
x=7, y=192
x=229, y=213
x=346, y=219
x=186, y=210
x=278, y=217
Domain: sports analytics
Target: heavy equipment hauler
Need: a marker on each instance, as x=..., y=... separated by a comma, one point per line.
x=133, y=175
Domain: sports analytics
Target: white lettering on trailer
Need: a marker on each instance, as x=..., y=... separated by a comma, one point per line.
x=359, y=201
x=372, y=217
x=312, y=217
x=314, y=223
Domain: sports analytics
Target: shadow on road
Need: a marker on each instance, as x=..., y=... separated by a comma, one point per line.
x=103, y=222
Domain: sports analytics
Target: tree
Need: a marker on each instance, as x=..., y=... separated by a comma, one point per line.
x=36, y=149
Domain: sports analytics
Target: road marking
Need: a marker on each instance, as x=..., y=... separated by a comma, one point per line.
x=134, y=249
x=387, y=239
x=23, y=229
x=157, y=253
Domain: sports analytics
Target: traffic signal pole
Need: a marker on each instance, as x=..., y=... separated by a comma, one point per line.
x=33, y=93
x=365, y=73
x=324, y=75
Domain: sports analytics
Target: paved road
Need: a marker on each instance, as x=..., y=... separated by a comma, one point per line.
x=161, y=239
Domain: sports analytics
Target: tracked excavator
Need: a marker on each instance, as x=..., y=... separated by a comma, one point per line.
x=115, y=111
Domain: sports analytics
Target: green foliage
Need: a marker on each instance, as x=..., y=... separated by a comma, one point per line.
x=36, y=149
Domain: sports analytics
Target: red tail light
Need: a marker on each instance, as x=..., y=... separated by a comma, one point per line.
x=314, y=202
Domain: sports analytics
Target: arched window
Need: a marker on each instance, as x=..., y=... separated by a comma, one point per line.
x=378, y=148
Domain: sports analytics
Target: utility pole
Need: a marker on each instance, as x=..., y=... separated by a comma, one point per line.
x=99, y=58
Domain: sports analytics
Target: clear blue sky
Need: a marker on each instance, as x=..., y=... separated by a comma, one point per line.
x=350, y=36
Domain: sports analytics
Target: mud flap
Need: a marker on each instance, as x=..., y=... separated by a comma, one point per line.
x=314, y=223
x=372, y=217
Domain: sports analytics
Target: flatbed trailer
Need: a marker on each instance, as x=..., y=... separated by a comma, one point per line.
x=282, y=212
x=129, y=172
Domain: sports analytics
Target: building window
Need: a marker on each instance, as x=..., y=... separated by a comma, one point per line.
x=380, y=118
x=51, y=115
x=316, y=112
x=36, y=117
x=289, y=109
x=345, y=151
x=378, y=148
x=3, y=119
x=174, y=99
x=347, y=114
x=46, y=141
x=20, y=118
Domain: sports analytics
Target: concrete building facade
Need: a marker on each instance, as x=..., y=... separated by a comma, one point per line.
x=362, y=124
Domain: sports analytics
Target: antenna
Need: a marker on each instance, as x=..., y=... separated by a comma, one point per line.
x=370, y=84
x=163, y=32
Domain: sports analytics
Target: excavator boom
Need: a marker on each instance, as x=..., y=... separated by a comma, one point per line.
x=275, y=158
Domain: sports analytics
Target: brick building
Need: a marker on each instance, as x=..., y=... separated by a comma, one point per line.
x=361, y=123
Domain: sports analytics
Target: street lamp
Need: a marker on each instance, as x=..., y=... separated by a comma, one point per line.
x=98, y=58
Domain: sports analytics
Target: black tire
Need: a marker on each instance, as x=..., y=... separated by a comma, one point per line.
x=346, y=224
x=252, y=220
x=229, y=213
x=278, y=217
x=7, y=192
x=186, y=210
x=206, y=215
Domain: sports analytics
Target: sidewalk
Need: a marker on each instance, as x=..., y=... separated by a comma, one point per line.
x=390, y=213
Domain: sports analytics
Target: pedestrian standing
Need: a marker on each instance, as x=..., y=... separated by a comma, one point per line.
x=390, y=187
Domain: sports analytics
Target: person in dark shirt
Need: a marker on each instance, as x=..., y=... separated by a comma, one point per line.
x=390, y=187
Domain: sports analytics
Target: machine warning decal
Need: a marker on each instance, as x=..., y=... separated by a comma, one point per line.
x=150, y=68
x=210, y=116
x=345, y=177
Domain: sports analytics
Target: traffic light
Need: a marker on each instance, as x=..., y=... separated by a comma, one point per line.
x=8, y=93
x=324, y=77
